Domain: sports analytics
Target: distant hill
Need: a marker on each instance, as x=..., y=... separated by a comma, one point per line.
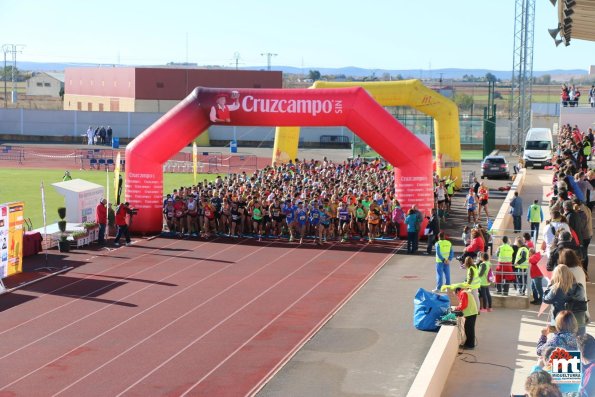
x=448, y=73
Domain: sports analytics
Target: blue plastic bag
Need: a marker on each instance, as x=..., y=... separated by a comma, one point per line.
x=427, y=308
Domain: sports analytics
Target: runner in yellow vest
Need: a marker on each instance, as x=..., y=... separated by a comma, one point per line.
x=444, y=254
x=535, y=217
x=450, y=191
x=469, y=309
x=521, y=264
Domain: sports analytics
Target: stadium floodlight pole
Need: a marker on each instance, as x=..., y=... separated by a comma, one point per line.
x=269, y=55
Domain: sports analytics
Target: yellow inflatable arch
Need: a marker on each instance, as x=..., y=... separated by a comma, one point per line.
x=397, y=93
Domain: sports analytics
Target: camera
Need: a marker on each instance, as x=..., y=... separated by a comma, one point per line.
x=133, y=211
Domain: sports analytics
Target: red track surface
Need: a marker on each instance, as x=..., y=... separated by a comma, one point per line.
x=66, y=158
x=176, y=317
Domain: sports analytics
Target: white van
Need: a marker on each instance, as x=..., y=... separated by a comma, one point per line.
x=538, y=149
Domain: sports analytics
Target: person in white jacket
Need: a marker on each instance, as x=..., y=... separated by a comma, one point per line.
x=555, y=225
x=90, y=135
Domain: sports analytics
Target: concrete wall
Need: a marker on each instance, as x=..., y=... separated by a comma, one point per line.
x=59, y=123
x=584, y=117
x=540, y=121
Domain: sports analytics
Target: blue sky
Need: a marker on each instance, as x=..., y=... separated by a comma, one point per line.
x=397, y=34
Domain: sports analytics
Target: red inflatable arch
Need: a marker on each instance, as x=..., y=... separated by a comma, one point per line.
x=350, y=107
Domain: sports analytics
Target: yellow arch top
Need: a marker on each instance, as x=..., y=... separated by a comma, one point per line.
x=398, y=93
x=413, y=93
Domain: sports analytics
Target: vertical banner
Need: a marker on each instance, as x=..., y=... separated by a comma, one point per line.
x=15, y=238
x=3, y=240
x=194, y=160
x=45, y=232
x=116, y=177
x=106, y=188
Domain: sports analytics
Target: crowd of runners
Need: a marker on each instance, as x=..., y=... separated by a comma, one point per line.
x=315, y=200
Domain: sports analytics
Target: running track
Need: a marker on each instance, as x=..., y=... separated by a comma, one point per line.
x=176, y=317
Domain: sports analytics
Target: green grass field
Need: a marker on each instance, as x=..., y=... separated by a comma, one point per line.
x=24, y=185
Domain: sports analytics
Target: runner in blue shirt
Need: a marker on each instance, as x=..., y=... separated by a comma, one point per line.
x=325, y=222
x=315, y=222
x=301, y=216
x=289, y=212
x=471, y=203
x=344, y=218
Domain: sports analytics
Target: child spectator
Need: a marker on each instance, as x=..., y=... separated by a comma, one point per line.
x=536, y=277
x=466, y=236
x=528, y=242
x=472, y=278
x=485, y=298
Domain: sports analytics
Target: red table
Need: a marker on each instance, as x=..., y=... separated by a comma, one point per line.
x=31, y=243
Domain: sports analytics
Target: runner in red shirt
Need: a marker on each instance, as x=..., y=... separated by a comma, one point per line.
x=209, y=213
x=179, y=214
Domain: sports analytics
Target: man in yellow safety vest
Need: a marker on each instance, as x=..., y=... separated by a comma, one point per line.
x=535, y=217
x=444, y=254
x=521, y=264
x=504, y=272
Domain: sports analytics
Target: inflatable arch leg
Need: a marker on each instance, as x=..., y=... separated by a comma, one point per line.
x=286, y=144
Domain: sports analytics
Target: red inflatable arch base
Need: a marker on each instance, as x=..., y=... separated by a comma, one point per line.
x=350, y=107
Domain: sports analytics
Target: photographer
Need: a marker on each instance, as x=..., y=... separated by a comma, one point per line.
x=121, y=222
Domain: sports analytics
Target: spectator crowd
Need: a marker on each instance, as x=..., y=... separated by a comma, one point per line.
x=566, y=239
x=99, y=135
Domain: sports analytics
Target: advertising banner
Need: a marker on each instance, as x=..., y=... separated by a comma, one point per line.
x=116, y=178
x=3, y=240
x=11, y=238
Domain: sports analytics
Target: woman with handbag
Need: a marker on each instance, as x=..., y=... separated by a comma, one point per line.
x=564, y=293
x=486, y=277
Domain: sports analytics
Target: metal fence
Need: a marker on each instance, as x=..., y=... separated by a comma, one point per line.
x=211, y=163
x=506, y=275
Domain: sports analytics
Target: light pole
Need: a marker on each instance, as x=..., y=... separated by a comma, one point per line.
x=13, y=49
x=5, y=50
x=269, y=55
